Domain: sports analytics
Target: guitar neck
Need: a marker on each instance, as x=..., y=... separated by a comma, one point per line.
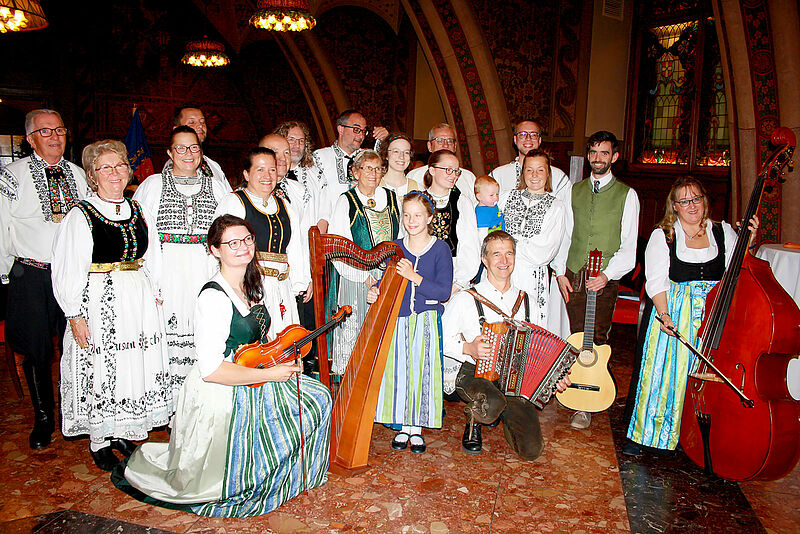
x=588, y=320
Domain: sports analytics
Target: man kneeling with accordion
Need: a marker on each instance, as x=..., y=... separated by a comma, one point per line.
x=519, y=365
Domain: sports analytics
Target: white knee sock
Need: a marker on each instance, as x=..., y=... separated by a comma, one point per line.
x=94, y=447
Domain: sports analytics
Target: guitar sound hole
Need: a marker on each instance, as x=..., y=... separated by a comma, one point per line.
x=587, y=358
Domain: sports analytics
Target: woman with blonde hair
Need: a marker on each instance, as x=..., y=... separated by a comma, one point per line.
x=685, y=258
x=115, y=379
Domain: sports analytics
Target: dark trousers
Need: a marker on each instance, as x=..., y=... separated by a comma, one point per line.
x=305, y=311
x=32, y=314
x=604, y=310
x=486, y=403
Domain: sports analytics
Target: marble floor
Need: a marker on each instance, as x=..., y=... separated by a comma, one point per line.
x=581, y=483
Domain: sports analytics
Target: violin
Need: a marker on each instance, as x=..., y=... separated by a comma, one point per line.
x=291, y=345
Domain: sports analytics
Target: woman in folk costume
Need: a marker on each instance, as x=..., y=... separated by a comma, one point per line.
x=397, y=155
x=411, y=390
x=234, y=450
x=183, y=198
x=685, y=258
x=536, y=220
x=282, y=258
x=454, y=217
x=115, y=378
x=368, y=215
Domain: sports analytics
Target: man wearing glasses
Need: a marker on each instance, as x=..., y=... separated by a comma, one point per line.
x=527, y=137
x=335, y=161
x=604, y=215
x=442, y=136
x=193, y=118
x=35, y=194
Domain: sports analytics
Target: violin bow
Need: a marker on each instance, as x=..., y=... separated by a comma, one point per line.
x=300, y=417
x=746, y=402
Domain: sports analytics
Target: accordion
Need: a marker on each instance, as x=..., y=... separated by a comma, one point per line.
x=526, y=360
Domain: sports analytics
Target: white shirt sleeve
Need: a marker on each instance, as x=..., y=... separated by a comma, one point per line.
x=340, y=225
x=624, y=259
x=7, y=192
x=559, y=263
x=152, y=256
x=297, y=253
x=656, y=264
x=730, y=241
x=459, y=325
x=540, y=249
x=72, y=258
x=230, y=204
x=468, y=250
x=212, y=320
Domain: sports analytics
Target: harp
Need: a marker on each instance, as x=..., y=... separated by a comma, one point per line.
x=356, y=398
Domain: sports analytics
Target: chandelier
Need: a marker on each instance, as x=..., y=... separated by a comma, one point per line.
x=205, y=53
x=21, y=15
x=283, y=16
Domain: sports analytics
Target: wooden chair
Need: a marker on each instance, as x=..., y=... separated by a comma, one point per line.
x=629, y=307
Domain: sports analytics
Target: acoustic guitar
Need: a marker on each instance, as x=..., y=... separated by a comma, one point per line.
x=593, y=388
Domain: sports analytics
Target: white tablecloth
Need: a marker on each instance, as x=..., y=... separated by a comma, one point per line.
x=785, y=263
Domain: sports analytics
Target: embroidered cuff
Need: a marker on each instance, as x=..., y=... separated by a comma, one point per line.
x=4, y=279
x=71, y=317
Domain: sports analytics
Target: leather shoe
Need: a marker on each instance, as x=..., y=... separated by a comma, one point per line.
x=104, y=459
x=472, y=442
x=630, y=448
x=398, y=444
x=418, y=448
x=124, y=446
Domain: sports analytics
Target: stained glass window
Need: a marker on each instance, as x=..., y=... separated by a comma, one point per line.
x=10, y=148
x=681, y=113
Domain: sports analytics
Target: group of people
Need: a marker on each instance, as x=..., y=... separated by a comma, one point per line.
x=153, y=294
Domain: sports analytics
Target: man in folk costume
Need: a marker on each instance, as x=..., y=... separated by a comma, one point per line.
x=464, y=345
x=35, y=194
x=194, y=118
x=443, y=137
x=302, y=168
x=528, y=137
x=335, y=162
x=604, y=215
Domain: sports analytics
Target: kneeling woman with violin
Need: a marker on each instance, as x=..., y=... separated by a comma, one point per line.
x=235, y=450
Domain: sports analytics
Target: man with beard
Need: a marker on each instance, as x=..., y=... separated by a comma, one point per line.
x=335, y=161
x=193, y=118
x=35, y=194
x=527, y=137
x=604, y=216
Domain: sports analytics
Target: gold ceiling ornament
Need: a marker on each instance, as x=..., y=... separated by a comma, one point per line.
x=283, y=16
x=21, y=15
x=205, y=53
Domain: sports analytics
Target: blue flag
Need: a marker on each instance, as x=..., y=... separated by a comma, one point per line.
x=138, y=151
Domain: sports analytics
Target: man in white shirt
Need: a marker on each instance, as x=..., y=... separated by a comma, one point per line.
x=527, y=137
x=302, y=168
x=334, y=161
x=461, y=321
x=442, y=136
x=604, y=215
x=35, y=194
x=193, y=117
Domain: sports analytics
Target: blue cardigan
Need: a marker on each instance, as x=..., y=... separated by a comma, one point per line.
x=436, y=268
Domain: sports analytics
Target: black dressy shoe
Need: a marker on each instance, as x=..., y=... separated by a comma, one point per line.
x=104, y=459
x=400, y=444
x=124, y=446
x=418, y=448
x=472, y=442
x=630, y=448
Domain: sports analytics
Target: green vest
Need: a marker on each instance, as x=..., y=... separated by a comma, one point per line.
x=359, y=225
x=597, y=221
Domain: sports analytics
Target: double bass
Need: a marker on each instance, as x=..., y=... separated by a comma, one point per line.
x=746, y=425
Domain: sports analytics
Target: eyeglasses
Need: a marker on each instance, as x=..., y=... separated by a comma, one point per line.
x=181, y=149
x=236, y=243
x=47, y=132
x=445, y=140
x=685, y=202
x=396, y=152
x=107, y=170
x=529, y=135
x=296, y=140
x=370, y=169
x=356, y=129
x=448, y=170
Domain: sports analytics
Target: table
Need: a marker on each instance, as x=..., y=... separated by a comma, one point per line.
x=785, y=263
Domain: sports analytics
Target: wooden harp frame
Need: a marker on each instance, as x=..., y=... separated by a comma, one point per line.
x=354, y=406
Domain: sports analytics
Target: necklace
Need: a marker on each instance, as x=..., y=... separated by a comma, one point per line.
x=117, y=203
x=696, y=234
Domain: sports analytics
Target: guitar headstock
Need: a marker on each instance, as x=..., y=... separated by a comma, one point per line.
x=594, y=263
